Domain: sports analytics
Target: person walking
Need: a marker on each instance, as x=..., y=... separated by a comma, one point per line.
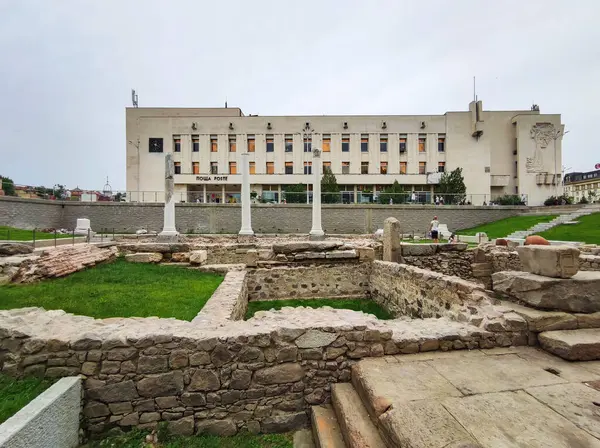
x=434, y=229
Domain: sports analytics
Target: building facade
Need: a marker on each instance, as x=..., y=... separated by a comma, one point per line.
x=583, y=185
x=500, y=152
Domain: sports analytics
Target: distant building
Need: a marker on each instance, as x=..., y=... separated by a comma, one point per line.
x=578, y=185
x=501, y=152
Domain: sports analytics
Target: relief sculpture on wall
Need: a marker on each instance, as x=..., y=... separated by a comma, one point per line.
x=542, y=134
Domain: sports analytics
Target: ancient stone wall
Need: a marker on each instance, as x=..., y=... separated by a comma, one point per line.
x=589, y=262
x=320, y=280
x=448, y=263
x=228, y=303
x=410, y=291
x=225, y=218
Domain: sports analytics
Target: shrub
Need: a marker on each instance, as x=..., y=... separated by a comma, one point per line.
x=558, y=200
x=509, y=199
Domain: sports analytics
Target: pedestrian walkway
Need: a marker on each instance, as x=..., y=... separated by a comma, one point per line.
x=504, y=397
x=561, y=219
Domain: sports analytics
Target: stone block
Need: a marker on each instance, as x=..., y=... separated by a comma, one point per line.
x=315, y=339
x=198, y=257
x=144, y=257
x=252, y=258
x=456, y=247
x=182, y=427
x=305, y=246
x=161, y=385
x=309, y=256
x=418, y=250
x=391, y=240
x=579, y=294
x=337, y=254
x=550, y=261
x=285, y=423
x=14, y=249
x=481, y=269
x=112, y=393
x=223, y=428
x=280, y=374
x=572, y=345
x=365, y=253
x=204, y=380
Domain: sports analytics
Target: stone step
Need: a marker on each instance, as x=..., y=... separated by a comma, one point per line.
x=326, y=429
x=572, y=345
x=357, y=428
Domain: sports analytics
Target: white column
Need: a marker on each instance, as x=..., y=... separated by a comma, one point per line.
x=204, y=193
x=246, y=215
x=316, y=233
x=223, y=194
x=169, y=231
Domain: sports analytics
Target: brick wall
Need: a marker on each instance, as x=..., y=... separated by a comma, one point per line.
x=211, y=218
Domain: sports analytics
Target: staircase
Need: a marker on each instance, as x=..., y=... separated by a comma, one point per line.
x=542, y=226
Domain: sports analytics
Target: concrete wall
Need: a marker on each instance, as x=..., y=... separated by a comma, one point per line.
x=51, y=420
x=201, y=218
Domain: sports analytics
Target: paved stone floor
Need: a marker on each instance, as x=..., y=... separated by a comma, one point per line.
x=504, y=397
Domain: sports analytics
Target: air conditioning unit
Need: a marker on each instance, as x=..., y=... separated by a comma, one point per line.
x=231, y=126
x=423, y=124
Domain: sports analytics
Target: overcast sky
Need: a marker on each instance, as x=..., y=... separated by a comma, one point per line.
x=67, y=67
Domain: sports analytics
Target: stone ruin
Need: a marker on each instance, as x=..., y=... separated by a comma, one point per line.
x=221, y=374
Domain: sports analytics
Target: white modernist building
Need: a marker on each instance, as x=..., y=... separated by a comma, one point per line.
x=500, y=152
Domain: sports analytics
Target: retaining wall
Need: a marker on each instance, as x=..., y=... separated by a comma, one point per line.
x=225, y=218
x=50, y=420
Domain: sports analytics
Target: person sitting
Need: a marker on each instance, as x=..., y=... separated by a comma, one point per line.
x=453, y=238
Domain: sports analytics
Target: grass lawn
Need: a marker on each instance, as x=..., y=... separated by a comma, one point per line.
x=135, y=439
x=587, y=231
x=504, y=227
x=15, y=394
x=27, y=235
x=119, y=289
x=364, y=305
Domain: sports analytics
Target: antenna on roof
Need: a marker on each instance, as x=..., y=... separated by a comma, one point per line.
x=134, y=98
x=225, y=102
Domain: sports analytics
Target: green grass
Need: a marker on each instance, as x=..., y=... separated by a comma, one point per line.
x=119, y=289
x=587, y=231
x=364, y=305
x=15, y=394
x=27, y=235
x=504, y=227
x=135, y=439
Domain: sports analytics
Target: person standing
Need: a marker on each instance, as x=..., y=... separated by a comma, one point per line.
x=434, y=229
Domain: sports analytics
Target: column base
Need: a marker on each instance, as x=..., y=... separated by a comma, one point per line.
x=168, y=236
x=246, y=232
x=316, y=235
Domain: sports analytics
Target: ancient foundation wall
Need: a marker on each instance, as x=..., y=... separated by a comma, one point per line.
x=410, y=291
x=228, y=303
x=225, y=218
x=447, y=263
x=306, y=282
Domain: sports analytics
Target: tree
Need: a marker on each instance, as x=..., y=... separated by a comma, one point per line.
x=452, y=187
x=329, y=187
x=295, y=194
x=395, y=192
x=8, y=186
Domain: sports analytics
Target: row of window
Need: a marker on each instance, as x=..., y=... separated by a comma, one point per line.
x=289, y=143
x=289, y=167
x=586, y=187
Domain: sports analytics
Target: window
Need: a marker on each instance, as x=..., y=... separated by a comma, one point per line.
x=441, y=143
x=177, y=167
x=232, y=145
x=422, y=168
x=270, y=144
x=383, y=168
x=326, y=166
x=364, y=167
x=383, y=140
x=516, y=169
x=196, y=167
x=345, y=143
x=252, y=166
x=402, y=144
x=176, y=144
x=307, y=144
x=403, y=167
x=251, y=143
x=195, y=143
x=441, y=167
x=214, y=167
x=307, y=167
x=326, y=143
x=270, y=167
x=232, y=168
x=364, y=143
x=155, y=144
x=289, y=167
x=213, y=143
x=289, y=143
x=422, y=141
x=345, y=167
